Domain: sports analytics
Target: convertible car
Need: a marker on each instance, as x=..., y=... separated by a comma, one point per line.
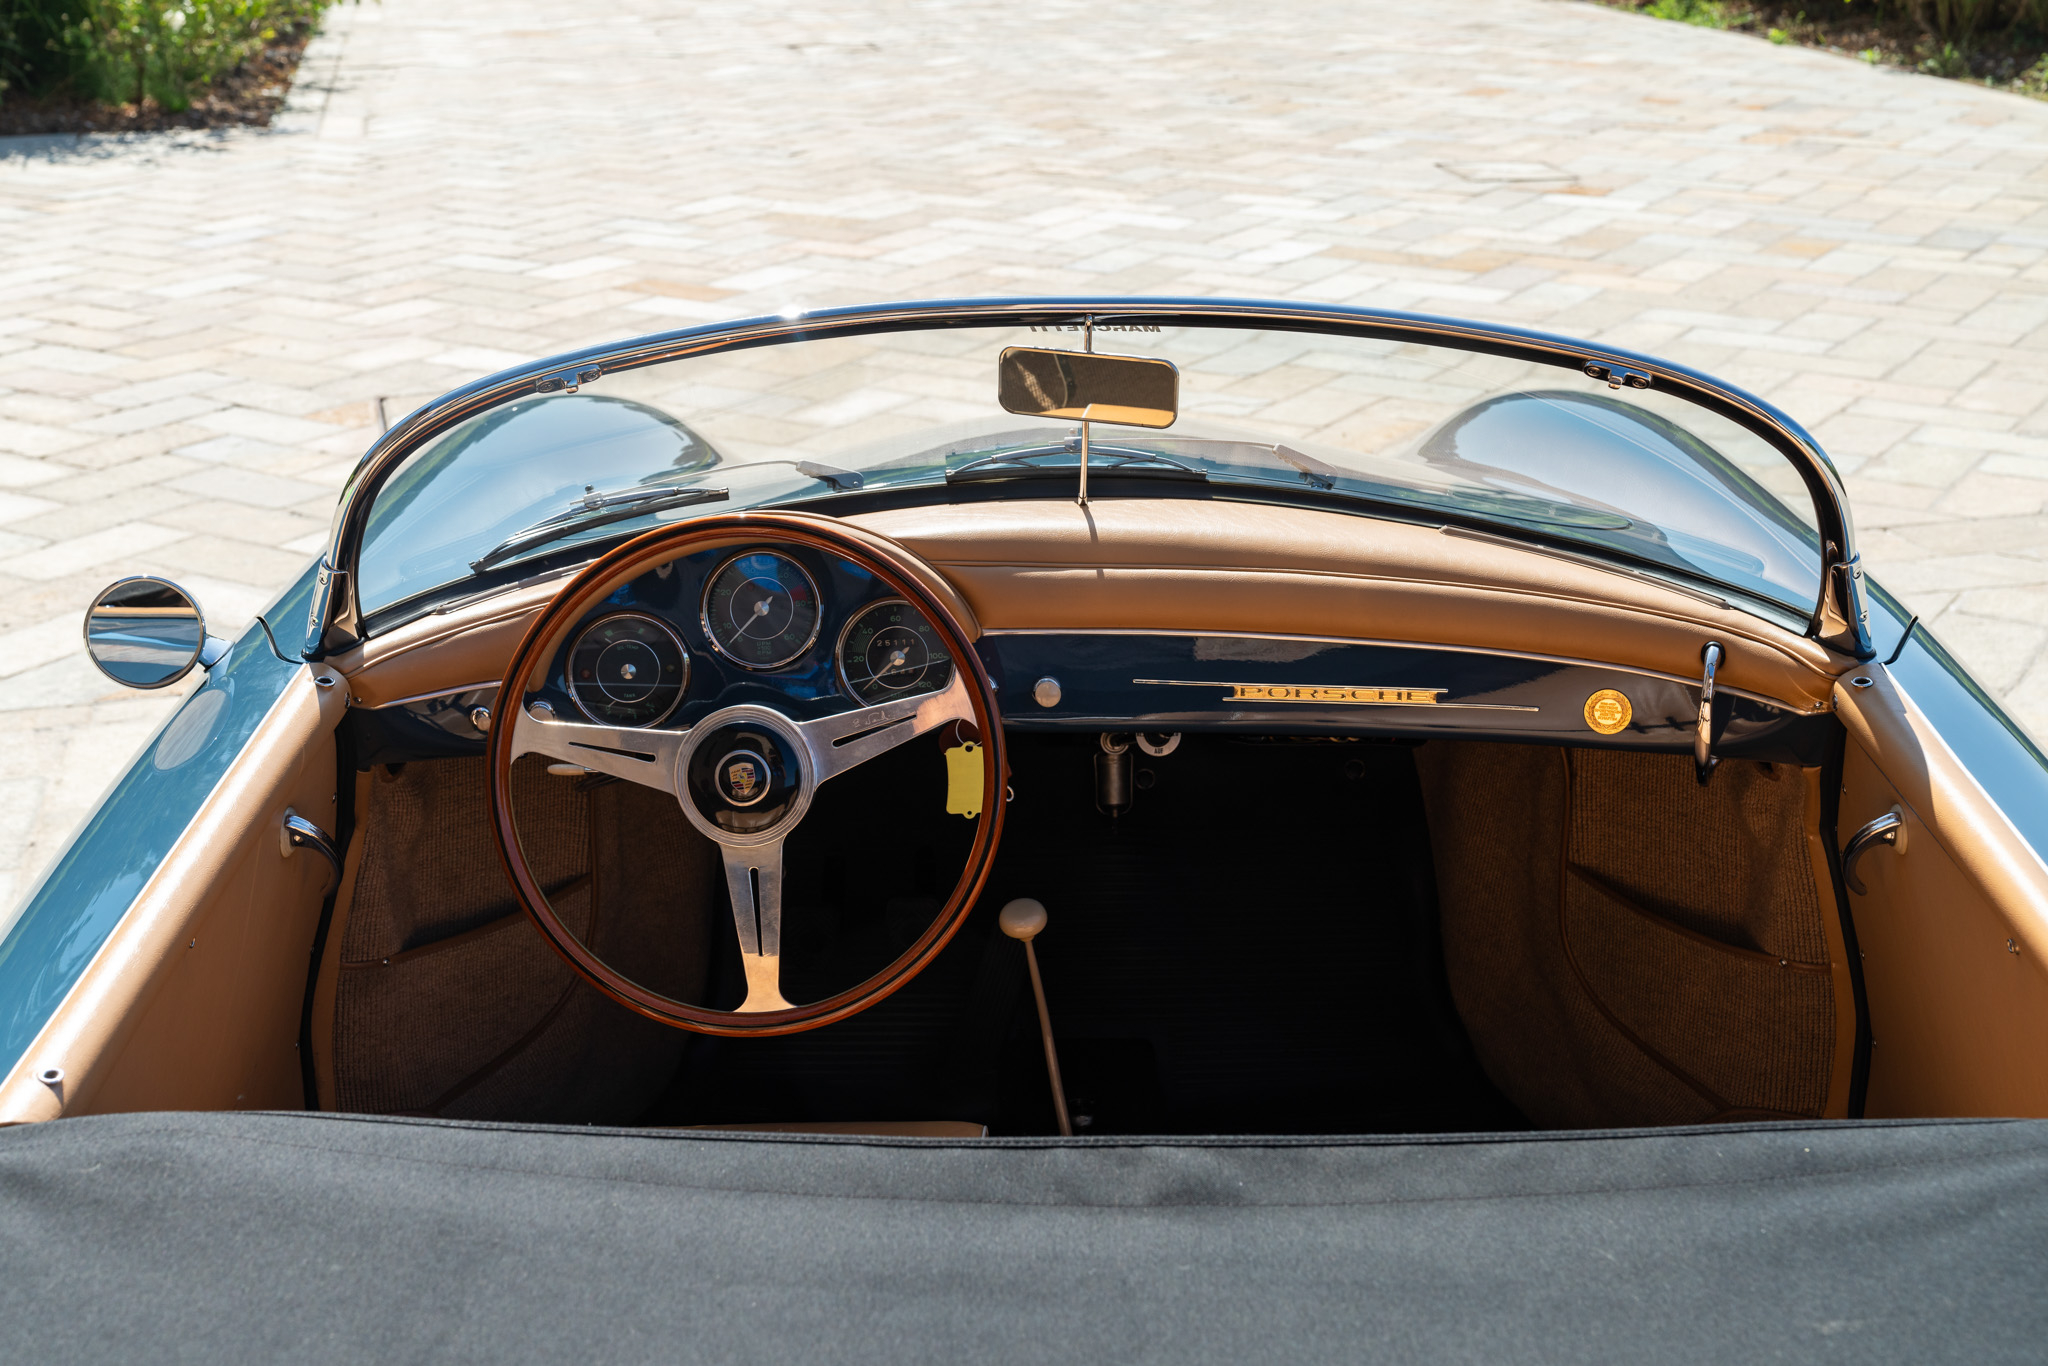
x=1177, y=829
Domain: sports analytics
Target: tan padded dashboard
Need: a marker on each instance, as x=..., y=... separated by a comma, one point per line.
x=1187, y=565
x=1201, y=566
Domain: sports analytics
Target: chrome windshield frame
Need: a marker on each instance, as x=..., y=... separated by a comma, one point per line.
x=1838, y=620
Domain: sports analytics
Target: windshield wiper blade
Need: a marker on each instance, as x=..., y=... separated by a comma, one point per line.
x=594, y=510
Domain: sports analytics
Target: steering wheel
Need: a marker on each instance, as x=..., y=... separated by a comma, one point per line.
x=745, y=774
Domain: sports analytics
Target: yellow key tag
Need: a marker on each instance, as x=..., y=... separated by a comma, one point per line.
x=963, y=780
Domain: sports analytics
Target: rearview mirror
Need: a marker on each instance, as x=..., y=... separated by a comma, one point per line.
x=146, y=632
x=1085, y=387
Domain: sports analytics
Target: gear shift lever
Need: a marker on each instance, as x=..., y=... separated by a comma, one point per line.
x=1024, y=919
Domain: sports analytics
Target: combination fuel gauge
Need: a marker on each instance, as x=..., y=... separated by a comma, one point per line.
x=628, y=670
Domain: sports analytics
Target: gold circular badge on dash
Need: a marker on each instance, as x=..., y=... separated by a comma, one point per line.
x=1607, y=711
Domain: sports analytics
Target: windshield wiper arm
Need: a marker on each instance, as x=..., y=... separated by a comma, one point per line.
x=1315, y=473
x=594, y=510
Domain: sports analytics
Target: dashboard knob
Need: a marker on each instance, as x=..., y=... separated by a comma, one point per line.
x=1046, y=692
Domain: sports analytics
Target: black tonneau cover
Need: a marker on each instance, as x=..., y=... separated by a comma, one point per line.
x=313, y=1238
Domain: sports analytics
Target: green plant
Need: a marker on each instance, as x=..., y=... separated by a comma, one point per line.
x=1950, y=61
x=1701, y=13
x=1958, y=22
x=131, y=51
x=164, y=50
x=34, y=52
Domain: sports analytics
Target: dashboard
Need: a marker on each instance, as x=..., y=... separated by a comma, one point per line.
x=811, y=634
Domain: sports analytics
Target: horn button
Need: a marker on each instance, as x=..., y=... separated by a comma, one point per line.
x=744, y=778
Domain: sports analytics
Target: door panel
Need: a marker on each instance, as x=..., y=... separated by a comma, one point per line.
x=1953, y=928
x=193, y=1003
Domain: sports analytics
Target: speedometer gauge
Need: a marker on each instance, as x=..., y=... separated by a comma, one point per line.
x=889, y=650
x=627, y=670
x=761, y=610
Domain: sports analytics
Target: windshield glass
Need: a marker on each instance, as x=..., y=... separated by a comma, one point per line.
x=1412, y=429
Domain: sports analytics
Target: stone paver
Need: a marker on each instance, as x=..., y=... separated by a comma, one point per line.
x=195, y=332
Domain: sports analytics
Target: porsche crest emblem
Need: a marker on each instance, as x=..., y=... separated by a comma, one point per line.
x=742, y=777
x=1608, y=712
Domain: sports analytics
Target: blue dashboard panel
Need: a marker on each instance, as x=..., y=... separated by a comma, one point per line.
x=1296, y=686
x=806, y=687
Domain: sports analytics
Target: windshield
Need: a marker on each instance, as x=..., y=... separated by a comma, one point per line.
x=1403, y=428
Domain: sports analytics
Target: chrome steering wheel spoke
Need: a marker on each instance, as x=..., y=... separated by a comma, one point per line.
x=745, y=776
x=646, y=757
x=753, y=875
x=849, y=739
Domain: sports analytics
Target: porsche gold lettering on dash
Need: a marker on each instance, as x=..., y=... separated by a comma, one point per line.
x=1295, y=692
x=1326, y=693
x=1330, y=694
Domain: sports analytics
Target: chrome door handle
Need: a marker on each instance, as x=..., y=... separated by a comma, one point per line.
x=1889, y=829
x=296, y=833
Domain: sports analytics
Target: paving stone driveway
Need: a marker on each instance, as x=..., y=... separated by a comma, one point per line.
x=195, y=332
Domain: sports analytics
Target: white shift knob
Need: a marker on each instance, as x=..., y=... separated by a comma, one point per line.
x=1022, y=918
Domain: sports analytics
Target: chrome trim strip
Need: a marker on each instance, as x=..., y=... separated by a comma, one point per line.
x=1819, y=709
x=1839, y=618
x=491, y=686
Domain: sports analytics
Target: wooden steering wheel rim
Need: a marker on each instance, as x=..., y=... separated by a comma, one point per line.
x=550, y=629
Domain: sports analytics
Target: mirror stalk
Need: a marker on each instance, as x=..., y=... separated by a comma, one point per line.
x=1084, y=462
x=1088, y=346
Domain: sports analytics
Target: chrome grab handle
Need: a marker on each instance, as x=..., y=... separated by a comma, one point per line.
x=1889, y=829
x=296, y=833
x=1704, y=760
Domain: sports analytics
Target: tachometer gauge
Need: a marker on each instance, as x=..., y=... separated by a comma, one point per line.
x=889, y=650
x=628, y=670
x=761, y=610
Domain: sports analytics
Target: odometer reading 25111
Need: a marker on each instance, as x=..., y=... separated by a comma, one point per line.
x=761, y=610
x=890, y=650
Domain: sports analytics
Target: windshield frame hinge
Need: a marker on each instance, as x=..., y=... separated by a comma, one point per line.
x=568, y=381
x=1615, y=376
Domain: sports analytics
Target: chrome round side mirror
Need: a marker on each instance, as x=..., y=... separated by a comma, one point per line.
x=145, y=632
